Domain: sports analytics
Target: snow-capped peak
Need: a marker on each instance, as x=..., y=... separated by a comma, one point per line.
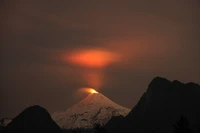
x=94, y=109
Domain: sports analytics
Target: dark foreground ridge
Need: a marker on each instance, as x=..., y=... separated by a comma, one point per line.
x=34, y=119
x=160, y=107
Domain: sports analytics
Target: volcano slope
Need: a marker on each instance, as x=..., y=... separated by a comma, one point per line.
x=94, y=109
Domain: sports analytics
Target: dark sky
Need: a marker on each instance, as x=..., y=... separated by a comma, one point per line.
x=152, y=38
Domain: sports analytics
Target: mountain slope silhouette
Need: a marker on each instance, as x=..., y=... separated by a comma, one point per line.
x=161, y=106
x=34, y=119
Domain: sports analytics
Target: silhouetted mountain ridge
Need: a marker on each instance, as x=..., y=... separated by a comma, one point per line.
x=159, y=82
x=161, y=106
x=32, y=120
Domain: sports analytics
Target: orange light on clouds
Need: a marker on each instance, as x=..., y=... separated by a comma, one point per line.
x=93, y=62
x=92, y=58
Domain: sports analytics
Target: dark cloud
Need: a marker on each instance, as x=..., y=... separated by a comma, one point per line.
x=154, y=38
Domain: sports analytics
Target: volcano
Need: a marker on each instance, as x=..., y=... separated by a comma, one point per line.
x=94, y=109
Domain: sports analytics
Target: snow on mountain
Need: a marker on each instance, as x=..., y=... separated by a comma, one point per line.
x=94, y=109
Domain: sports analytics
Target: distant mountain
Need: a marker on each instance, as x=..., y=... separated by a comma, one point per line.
x=160, y=107
x=34, y=119
x=94, y=109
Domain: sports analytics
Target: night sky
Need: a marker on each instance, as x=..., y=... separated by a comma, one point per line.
x=135, y=39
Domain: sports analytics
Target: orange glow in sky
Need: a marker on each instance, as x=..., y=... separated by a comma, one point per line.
x=88, y=90
x=92, y=58
x=92, y=91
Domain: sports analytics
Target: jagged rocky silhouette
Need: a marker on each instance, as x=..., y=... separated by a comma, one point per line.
x=160, y=107
x=34, y=119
